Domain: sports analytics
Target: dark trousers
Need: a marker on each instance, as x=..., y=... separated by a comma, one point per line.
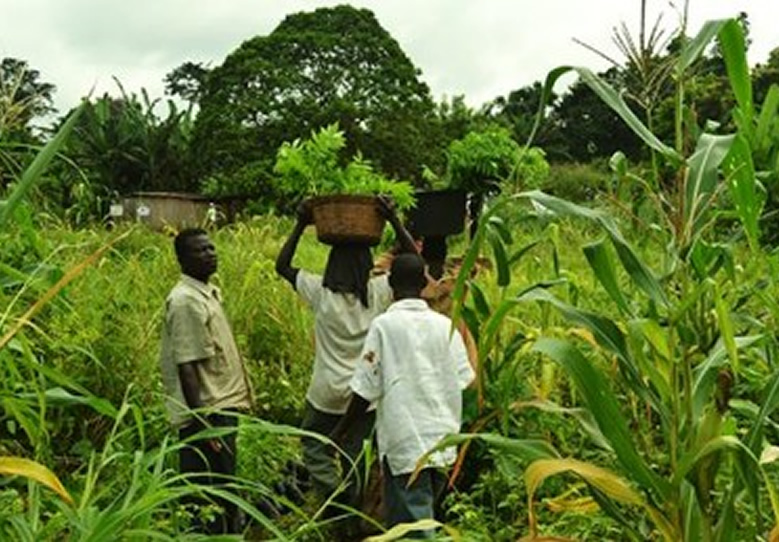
x=407, y=504
x=322, y=459
x=209, y=466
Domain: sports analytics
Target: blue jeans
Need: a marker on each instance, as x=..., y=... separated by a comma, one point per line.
x=404, y=504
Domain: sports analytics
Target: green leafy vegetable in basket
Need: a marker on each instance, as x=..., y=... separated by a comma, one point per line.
x=311, y=167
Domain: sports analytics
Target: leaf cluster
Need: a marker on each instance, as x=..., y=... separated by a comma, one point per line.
x=311, y=167
x=478, y=161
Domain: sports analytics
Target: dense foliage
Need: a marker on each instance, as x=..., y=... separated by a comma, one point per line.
x=628, y=382
x=330, y=65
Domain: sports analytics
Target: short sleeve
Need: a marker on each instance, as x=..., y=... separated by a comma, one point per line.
x=309, y=288
x=459, y=356
x=367, y=379
x=187, y=323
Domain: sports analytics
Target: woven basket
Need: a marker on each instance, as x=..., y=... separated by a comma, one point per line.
x=347, y=219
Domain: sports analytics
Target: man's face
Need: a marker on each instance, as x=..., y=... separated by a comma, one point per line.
x=201, y=259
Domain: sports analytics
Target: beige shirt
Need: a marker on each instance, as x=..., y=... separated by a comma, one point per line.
x=196, y=328
x=340, y=325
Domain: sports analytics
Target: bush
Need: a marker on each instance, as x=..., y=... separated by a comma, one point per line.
x=575, y=181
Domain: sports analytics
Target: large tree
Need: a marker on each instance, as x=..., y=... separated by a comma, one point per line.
x=330, y=65
x=23, y=96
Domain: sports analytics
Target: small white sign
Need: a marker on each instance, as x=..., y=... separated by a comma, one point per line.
x=116, y=209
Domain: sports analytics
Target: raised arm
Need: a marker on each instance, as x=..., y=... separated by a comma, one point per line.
x=404, y=238
x=284, y=259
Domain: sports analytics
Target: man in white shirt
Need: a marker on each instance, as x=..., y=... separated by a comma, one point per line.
x=414, y=365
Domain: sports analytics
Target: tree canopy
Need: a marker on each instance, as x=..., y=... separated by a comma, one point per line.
x=316, y=68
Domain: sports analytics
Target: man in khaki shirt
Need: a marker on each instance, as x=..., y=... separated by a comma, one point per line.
x=205, y=380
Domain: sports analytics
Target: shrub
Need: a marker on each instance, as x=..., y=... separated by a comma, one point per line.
x=576, y=182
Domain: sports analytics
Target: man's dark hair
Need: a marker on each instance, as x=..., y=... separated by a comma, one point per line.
x=407, y=273
x=181, y=242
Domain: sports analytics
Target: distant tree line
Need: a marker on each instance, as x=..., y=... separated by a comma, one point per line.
x=315, y=68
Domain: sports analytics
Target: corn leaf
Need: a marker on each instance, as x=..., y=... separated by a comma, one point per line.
x=637, y=270
x=702, y=179
x=402, y=529
x=741, y=178
x=501, y=260
x=705, y=374
x=734, y=52
x=696, y=47
x=604, y=406
x=604, y=480
x=608, y=336
x=601, y=264
x=19, y=466
x=717, y=444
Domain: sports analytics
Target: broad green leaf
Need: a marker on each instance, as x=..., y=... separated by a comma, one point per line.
x=692, y=512
x=649, y=345
x=470, y=258
x=769, y=404
x=601, y=264
x=604, y=406
x=722, y=309
x=742, y=183
x=637, y=270
x=527, y=449
x=19, y=466
x=701, y=181
x=501, y=260
x=62, y=397
x=705, y=374
x=608, y=335
x=479, y=300
x=522, y=251
x=614, y=100
x=734, y=52
x=611, y=97
x=767, y=121
x=546, y=97
x=696, y=47
x=497, y=225
x=494, y=323
x=720, y=443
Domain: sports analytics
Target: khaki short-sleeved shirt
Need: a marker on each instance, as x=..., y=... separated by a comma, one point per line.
x=196, y=328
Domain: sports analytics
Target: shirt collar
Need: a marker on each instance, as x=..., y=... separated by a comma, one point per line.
x=208, y=290
x=410, y=303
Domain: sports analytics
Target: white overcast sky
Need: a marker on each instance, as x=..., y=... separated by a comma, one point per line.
x=479, y=48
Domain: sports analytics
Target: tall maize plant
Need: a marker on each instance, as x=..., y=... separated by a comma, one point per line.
x=659, y=371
